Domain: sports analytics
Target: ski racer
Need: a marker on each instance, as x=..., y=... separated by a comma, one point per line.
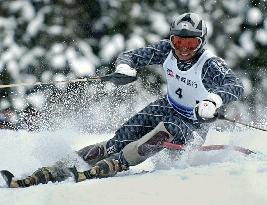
x=198, y=84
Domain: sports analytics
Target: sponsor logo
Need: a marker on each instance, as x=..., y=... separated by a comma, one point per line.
x=186, y=81
x=170, y=72
x=182, y=79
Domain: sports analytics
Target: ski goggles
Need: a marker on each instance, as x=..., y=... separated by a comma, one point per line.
x=191, y=43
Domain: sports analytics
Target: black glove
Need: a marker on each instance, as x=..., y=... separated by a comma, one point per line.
x=118, y=78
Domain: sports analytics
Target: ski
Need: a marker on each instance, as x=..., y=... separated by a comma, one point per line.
x=242, y=150
x=74, y=172
x=7, y=176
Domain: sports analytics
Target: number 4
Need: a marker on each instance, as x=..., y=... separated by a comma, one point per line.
x=179, y=92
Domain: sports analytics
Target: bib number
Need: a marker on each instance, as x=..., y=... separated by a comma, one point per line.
x=179, y=92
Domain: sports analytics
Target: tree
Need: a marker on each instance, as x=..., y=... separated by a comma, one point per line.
x=55, y=40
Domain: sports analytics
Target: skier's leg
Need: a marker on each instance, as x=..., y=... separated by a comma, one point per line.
x=138, y=151
x=139, y=125
x=132, y=130
x=55, y=173
x=132, y=154
x=104, y=168
x=185, y=131
x=173, y=129
x=133, y=143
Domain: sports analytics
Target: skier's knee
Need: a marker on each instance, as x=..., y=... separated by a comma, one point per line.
x=93, y=153
x=151, y=143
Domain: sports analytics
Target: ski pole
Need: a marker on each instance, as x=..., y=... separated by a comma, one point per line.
x=223, y=117
x=88, y=79
x=116, y=78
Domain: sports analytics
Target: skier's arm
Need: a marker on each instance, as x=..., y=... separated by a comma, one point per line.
x=153, y=54
x=218, y=78
x=129, y=61
x=223, y=85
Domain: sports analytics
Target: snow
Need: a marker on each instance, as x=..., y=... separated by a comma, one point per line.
x=254, y=16
x=82, y=65
x=232, y=6
x=136, y=10
x=261, y=36
x=4, y=103
x=134, y=42
x=111, y=46
x=27, y=10
x=36, y=99
x=159, y=19
x=246, y=42
x=218, y=177
x=58, y=59
x=30, y=57
x=60, y=77
x=264, y=84
x=36, y=24
x=19, y=103
x=247, y=86
x=215, y=177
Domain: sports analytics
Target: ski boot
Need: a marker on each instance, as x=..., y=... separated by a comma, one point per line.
x=43, y=175
x=104, y=168
x=7, y=176
x=40, y=176
x=93, y=153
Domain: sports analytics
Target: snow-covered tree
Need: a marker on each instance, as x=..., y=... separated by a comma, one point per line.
x=66, y=39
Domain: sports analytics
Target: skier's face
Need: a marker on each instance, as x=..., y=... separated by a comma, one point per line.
x=185, y=48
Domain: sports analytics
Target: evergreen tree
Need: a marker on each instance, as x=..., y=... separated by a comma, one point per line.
x=66, y=39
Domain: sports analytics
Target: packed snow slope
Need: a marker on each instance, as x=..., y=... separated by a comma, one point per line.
x=214, y=177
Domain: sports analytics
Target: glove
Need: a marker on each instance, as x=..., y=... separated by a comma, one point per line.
x=124, y=74
x=206, y=110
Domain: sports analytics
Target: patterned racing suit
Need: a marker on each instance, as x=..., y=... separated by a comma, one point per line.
x=216, y=77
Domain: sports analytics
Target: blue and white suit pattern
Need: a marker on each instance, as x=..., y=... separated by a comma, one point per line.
x=212, y=75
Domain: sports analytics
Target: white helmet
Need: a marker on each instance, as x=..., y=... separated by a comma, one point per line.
x=189, y=25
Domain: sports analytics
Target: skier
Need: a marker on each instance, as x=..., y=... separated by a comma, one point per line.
x=198, y=84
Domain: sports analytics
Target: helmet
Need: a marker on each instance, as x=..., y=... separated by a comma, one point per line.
x=189, y=25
